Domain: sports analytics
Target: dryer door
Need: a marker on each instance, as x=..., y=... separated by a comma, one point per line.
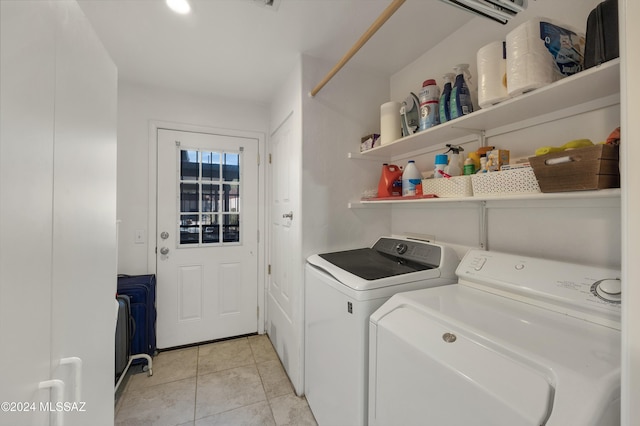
x=424, y=371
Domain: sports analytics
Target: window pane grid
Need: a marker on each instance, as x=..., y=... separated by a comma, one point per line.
x=209, y=200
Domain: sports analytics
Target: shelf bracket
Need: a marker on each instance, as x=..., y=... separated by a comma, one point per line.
x=359, y=156
x=481, y=133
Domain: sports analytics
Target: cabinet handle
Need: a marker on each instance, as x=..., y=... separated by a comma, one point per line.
x=57, y=387
x=76, y=363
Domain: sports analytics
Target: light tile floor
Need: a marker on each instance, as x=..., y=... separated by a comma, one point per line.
x=233, y=382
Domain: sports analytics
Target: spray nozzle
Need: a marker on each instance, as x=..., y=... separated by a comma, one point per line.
x=456, y=149
x=463, y=69
x=449, y=77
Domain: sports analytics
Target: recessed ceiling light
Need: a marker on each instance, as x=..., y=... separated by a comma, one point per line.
x=179, y=6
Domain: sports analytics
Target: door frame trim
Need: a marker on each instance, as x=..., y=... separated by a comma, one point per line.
x=154, y=126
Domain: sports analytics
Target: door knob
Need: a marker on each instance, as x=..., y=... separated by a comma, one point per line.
x=164, y=251
x=288, y=215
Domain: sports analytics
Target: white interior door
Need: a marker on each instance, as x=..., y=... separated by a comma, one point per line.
x=285, y=282
x=207, y=237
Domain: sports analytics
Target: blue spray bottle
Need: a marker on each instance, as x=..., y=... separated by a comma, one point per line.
x=445, y=113
x=460, y=100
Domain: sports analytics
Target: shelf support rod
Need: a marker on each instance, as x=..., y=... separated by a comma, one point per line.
x=484, y=226
x=384, y=16
x=482, y=138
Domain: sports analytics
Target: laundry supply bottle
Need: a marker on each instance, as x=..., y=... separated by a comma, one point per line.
x=429, y=96
x=440, y=164
x=483, y=164
x=390, y=174
x=469, y=167
x=455, y=161
x=460, y=100
x=411, y=180
x=443, y=106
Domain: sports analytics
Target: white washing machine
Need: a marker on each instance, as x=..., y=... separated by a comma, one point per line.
x=519, y=341
x=342, y=290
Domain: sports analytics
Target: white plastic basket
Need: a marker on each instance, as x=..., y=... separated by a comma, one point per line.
x=456, y=186
x=507, y=182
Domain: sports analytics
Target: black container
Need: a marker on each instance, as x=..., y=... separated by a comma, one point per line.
x=602, y=38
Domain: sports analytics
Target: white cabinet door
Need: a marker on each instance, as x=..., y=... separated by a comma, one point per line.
x=84, y=218
x=285, y=289
x=57, y=215
x=27, y=50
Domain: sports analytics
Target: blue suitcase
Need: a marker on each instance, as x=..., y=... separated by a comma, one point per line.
x=141, y=290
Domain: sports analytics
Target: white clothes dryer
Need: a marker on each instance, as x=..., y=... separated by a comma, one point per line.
x=518, y=341
x=342, y=289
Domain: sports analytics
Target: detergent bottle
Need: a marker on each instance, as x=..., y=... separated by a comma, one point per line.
x=411, y=180
x=460, y=100
x=429, y=112
x=444, y=111
x=390, y=174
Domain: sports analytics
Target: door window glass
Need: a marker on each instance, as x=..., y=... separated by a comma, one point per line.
x=210, y=228
x=231, y=167
x=211, y=166
x=209, y=201
x=189, y=232
x=189, y=167
x=210, y=197
x=231, y=228
x=231, y=198
x=189, y=197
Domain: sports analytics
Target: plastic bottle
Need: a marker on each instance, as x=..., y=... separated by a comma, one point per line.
x=460, y=99
x=429, y=111
x=441, y=163
x=455, y=163
x=411, y=180
x=469, y=167
x=483, y=164
x=390, y=173
x=444, y=112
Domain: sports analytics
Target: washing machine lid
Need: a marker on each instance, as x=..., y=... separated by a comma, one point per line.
x=517, y=358
x=371, y=264
x=391, y=261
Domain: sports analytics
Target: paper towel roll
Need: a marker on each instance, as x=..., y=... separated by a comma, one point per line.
x=492, y=78
x=390, y=124
x=535, y=49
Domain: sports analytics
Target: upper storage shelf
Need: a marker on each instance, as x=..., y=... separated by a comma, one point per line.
x=594, y=83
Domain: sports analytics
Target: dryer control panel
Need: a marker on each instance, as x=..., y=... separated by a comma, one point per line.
x=584, y=291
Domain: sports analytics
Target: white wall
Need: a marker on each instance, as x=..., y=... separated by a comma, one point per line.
x=345, y=110
x=138, y=106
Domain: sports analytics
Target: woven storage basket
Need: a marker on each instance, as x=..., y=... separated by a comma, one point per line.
x=456, y=186
x=507, y=182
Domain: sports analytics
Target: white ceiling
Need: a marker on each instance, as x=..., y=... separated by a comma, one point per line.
x=242, y=49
